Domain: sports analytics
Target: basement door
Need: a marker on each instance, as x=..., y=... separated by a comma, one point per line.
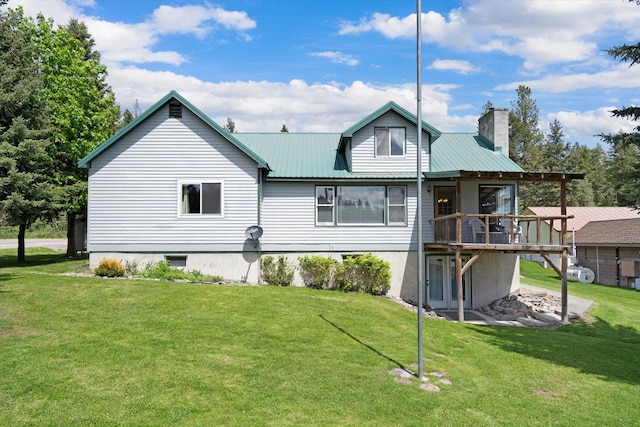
x=442, y=286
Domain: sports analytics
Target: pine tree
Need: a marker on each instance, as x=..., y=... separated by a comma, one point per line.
x=625, y=145
x=230, y=126
x=525, y=141
x=26, y=190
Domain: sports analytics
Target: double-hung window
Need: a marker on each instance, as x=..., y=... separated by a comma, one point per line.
x=390, y=141
x=324, y=205
x=204, y=198
x=361, y=205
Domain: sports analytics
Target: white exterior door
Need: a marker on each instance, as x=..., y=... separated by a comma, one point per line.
x=442, y=286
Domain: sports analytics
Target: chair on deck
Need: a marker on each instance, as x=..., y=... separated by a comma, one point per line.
x=477, y=227
x=506, y=224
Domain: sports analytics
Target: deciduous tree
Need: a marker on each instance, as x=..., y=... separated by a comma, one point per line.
x=81, y=108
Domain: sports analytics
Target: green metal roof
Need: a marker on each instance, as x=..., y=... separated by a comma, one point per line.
x=391, y=106
x=305, y=156
x=298, y=155
x=309, y=156
x=467, y=152
x=173, y=95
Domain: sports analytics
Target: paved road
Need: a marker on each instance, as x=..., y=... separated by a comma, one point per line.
x=55, y=244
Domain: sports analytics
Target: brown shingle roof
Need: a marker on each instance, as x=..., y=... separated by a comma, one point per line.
x=620, y=232
x=584, y=215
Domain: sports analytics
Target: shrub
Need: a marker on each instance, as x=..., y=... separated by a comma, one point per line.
x=276, y=274
x=131, y=268
x=318, y=272
x=110, y=267
x=364, y=273
x=162, y=270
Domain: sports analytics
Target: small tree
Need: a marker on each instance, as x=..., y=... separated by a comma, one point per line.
x=230, y=126
x=277, y=274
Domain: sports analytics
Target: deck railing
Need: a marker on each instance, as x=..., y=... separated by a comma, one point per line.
x=519, y=229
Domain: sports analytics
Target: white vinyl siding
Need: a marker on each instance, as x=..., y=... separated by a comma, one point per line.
x=133, y=201
x=363, y=157
x=289, y=222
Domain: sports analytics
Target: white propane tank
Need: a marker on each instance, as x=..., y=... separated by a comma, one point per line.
x=580, y=274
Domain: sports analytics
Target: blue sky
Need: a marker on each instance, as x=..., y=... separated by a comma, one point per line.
x=322, y=65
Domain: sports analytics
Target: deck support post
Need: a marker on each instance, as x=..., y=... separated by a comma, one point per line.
x=460, y=298
x=563, y=242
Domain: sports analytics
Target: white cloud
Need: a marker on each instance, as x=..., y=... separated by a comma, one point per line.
x=264, y=105
x=584, y=126
x=620, y=76
x=117, y=41
x=541, y=32
x=459, y=66
x=196, y=20
x=135, y=42
x=337, y=57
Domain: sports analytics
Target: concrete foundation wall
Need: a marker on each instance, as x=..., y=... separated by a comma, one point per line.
x=494, y=276
x=245, y=267
x=487, y=282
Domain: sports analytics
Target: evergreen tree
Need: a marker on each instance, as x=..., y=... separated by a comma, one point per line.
x=625, y=145
x=26, y=191
x=126, y=118
x=79, y=31
x=596, y=189
x=525, y=141
x=552, y=159
x=486, y=107
x=230, y=126
x=624, y=171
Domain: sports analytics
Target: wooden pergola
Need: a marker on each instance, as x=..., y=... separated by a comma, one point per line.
x=442, y=241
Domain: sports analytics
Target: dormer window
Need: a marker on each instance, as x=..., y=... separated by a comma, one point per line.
x=390, y=141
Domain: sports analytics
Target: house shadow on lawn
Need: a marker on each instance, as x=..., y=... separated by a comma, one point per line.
x=596, y=347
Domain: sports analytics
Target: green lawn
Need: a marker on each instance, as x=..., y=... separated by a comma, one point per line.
x=88, y=351
x=40, y=230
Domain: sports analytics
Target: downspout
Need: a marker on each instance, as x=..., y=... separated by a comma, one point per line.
x=259, y=204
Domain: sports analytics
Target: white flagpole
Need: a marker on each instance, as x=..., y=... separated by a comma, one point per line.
x=419, y=185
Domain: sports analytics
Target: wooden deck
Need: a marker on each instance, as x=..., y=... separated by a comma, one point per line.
x=451, y=233
x=450, y=236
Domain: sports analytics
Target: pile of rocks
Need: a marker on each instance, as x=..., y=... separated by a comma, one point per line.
x=413, y=306
x=538, y=309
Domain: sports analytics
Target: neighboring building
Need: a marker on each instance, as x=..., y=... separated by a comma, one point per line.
x=550, y=231
x=175, y=185
x=612, y=250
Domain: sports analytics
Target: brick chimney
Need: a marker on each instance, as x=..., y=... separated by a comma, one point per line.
x=494, y=125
